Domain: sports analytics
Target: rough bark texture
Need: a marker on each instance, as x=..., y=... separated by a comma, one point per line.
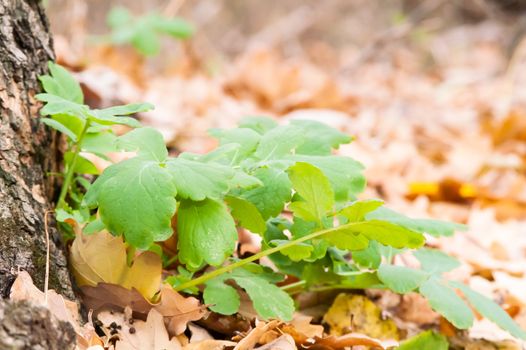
x=27, y=150
x=23, y=326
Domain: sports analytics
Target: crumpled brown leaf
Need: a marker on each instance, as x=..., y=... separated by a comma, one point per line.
x=176, y=309
x=349, y=340
x=63, y=309
x=149, y=335
x=101, y=257
x=255, y=335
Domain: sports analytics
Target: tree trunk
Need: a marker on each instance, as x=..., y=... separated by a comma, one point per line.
x=27, y=153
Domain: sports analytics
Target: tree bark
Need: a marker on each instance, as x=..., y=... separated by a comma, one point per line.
x=27, y=151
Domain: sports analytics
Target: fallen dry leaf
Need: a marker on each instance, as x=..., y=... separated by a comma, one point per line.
x=351, y=313
x=65, y=310
x=101, y=258
x=350, y=340
x=255, y=335
x=139, y=335
x=178, y=309
x=285, y=342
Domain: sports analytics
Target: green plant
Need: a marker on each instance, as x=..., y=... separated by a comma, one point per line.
x=143, y=32
x=281, y=182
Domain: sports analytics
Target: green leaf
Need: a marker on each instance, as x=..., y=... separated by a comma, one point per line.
x=347, y=240
x=446, y=302
x=118, y=16
x=317, y=197
x=247, y=139
x=369, y=257
x=146, y=41
x=100, y=143
x=196, y=180
x=246, y=214
x=279, y=141
x=381, y=231
x=269, y=300
x=61, y=83
x=433, y=227
x=319, y=138
x=93, y=227
x=82, y=165
x=59, y=105
x=260, y=125
x=357, y=210
x=491, y=310
x=401, y=279
x=115, y=115
x=206, y=233
x=59, y=127
x=434, y=261
x=344, y=173
x=223, y=298
x=425, y=340
x=272, y=196
x=147, y=142
x=175, y=27
x=136, y=198
x=296, y=252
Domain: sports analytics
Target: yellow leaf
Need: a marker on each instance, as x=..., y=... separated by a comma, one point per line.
x=101, y=258
x=357, y=314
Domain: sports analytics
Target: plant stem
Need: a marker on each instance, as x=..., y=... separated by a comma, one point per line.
x=207, y=276
x=71, y=168
x=293, y=286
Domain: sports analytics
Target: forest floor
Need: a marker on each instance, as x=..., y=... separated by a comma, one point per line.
x=441, y=132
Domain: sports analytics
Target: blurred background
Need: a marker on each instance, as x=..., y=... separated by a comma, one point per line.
x=433, y=91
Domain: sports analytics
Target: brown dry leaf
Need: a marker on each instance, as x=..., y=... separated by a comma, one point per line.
x=149, y=335
x=198, y=333
x=24, y=289
x=255, y=335
x=210, y=345
x=106, y=295
x=357, y=314
x=301, y=329
x=101, y=257
x=285, y=342
x=283, y=85
x=65, y=310
x=349, y=340
x=178, y=309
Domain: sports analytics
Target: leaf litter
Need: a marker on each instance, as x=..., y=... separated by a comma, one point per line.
x=435, y=144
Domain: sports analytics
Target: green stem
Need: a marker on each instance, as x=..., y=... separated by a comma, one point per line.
x=291, y=287
x=71, y=168
x=207, y=276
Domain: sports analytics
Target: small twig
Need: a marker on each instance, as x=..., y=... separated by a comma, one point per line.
x=46, y=278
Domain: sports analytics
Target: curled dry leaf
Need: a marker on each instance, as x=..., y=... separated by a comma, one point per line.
x=349, y=340
x=210, y=344
x=177, y=309
x=301, y=330
x=139, y=335
x=65, y=310
x=285, y=342
x=101, y=258
x=255, y=335
x=106, y=295
x=24, y=289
